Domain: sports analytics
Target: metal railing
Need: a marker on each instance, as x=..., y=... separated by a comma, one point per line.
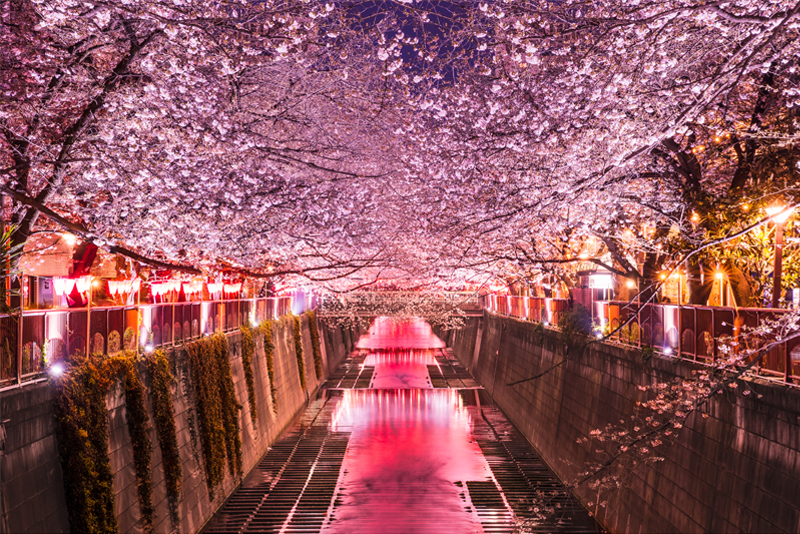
x=694, y=332
x=688, y=332
x=40, y=336
x=541, y=309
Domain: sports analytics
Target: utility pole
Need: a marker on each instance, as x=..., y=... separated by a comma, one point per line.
x=776, y=276
x=779, y=214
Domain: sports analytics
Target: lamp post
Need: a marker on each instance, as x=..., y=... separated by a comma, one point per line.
x=779, y=215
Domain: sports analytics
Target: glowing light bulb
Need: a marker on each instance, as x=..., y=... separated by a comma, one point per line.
x=69, y=239
x=720, y=275
x=778, y=213
x=56, y=369
x=149, y=348
x=631, y=284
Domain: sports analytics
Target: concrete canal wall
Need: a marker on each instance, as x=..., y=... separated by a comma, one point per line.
x=32, y=483
x=738, y=470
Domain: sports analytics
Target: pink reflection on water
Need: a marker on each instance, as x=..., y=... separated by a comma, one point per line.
x=407, y=449
x=400, y=369
x=388, y=333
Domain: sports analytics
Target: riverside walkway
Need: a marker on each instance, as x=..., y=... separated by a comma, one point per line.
x=401, y=439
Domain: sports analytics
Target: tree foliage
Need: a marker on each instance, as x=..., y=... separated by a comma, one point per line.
x=419, y=144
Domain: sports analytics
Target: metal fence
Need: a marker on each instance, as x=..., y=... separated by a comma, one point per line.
x=542, y=309
x=27, y=342
x=688, y=332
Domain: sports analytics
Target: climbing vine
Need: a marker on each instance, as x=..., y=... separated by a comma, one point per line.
x=573, y=326
x=538, y=333
x=298, y=349
x=230, y=406
x=217, y=407
x=164, y=414
x=139, y=429
x=269, y=353
x=315, y=347
x=248, y=350
x=82, y=430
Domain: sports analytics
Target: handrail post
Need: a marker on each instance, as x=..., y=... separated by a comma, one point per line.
x=713, y=336
x=680, y=322
x=89, y=319
x=138, y=333
x=641, y=329
x=19, y=337
x=787, y=365
x=694, y=334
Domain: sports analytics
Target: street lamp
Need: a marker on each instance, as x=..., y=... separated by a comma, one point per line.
x=779, y=215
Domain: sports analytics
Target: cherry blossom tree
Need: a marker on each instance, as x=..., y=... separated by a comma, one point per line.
x=139, y=120
x=647, y=126
x=437, y=140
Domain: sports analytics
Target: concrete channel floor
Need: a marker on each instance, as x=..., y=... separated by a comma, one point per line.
x=400, y=441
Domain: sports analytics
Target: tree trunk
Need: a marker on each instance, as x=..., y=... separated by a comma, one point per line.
x=649, y=278
x=700, y=280
x=742, y=292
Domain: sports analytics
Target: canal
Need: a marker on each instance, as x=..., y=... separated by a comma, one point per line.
x=401, y=439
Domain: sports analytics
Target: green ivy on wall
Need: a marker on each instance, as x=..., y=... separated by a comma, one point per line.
x=139, y=429
x=315, y=347
x=217, y=407
x=230, y=405
x=298, y=349
x=164, y=414
x=269, y=353
x=82, y=430
x=248, y=350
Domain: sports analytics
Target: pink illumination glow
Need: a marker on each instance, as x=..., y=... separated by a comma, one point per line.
x=232, y=289
x=113, y=287
x=63, y=286
x=400, y=369
x=407, y=449
x=387, y=333
x=215, y=289
x=411, y=448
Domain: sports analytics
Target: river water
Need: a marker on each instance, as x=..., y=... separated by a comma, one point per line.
x=401, y=439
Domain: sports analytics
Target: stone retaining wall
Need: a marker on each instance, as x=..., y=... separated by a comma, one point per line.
x=736, y=470
x=32, y=484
